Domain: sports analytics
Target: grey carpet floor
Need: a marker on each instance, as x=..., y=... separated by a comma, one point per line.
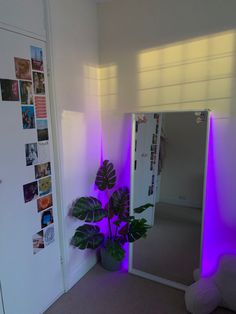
x=104, y=292
x=172, y=247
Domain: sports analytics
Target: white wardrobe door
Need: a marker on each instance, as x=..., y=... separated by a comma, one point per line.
x=145, y=166
x=31, y=277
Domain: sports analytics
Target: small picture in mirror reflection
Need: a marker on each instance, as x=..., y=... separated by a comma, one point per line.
x=153, y=157
x=150, y=190
x=154, y=139
x=154, y=148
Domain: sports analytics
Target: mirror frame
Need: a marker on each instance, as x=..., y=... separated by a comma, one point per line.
x=131, y=269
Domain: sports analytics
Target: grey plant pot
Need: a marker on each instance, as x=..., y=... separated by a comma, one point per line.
x=108, y=262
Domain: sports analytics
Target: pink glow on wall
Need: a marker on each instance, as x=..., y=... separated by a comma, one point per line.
x=219, y=229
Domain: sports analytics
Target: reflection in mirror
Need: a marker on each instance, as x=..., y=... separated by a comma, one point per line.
x=168, y=171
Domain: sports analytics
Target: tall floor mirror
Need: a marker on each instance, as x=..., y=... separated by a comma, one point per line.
x=168, y=170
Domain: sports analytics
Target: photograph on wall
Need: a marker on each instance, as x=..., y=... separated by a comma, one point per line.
x=28, y=118
x=49, y=235
x=9, y=90
x=40, y=107
x=30, y=191
x=45, y=186
x=42, y=130
x=43, y=151
x=39, y=85
x=42, y=170
x=38, y=242
x=37, y=58
x=46, y=218
x=26, y=93
x=23, y=69
x=31, y=154
x=44, y=202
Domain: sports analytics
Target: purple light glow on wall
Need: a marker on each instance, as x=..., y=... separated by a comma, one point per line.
x=209, y=251
x=219, y=229
x=122, y=166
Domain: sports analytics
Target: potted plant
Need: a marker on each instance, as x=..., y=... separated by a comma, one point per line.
x=122, y=227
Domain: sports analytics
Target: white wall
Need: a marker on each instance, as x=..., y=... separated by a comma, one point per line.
x=170, y=55
x=25, y=15
x=74, y=48
x=182, y=175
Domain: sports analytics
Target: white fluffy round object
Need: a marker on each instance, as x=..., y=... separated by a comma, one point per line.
x=225, y=280
x=202, y=297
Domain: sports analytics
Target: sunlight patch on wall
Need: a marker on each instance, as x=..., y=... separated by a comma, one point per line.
x=108, y=86
x=195, y=73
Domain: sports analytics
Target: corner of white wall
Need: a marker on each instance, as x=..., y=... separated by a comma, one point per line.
x=73, y=56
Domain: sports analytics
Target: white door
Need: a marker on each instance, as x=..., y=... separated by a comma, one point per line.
x=146, y=145
x=30, y=267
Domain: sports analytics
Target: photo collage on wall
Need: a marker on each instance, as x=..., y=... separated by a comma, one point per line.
x=28, y=87
x=153, y=154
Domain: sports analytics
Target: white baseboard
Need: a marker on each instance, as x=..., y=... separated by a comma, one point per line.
x=82, y=270
x=180, y=202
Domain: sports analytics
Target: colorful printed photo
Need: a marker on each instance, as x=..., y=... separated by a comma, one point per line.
x=10, y=90
x=46, y=218
x=30, y=191
x=39, y=85
x=40, y=106
x=37, y=58
x=49, y=235
x=38, y=242
x=43, y=151
x=44, y=202
x=28, y=119
x=42, y=170
x=26, y=93
x=31, y=154
x=23, y=69
x=42, y=130
x=45, y=186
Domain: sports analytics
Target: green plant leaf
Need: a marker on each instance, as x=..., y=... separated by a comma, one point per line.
x=87, y=237
x=88, y=209
x=115, y=249
x=142, y=208
x=119, y=202
x=106, y=176
x=137, y=229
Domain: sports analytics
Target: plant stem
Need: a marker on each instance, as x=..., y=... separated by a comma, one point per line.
x=109, y=219
x=116, y=232
x=109, y=226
